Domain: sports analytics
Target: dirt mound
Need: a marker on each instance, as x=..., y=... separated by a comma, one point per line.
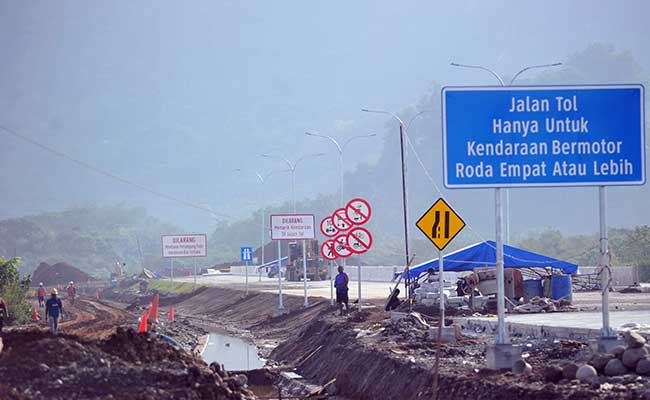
x=59, y=273
x=329, y=349
x=127, y=365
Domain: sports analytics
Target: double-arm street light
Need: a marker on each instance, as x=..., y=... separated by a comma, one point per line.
x=501, y=337
x=262, y=178
x=502, y=83
x=292, y=168
x=340, y=148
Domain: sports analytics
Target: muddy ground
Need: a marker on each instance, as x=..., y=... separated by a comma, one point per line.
x=98, y=355
x=126, y=365
x=369, y=357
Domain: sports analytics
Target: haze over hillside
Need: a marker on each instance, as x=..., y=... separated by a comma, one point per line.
x=176, y=98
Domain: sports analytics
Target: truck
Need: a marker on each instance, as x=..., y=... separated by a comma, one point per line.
x=317, y=269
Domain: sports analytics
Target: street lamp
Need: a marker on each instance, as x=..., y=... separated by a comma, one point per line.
x=502, y=82
x=404, y=195
x=292, y=168
x=501, y=330
x=340, y=148
x=262, y=178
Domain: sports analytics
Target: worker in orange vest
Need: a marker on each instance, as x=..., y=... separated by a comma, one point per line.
x=72, y=292
x=41, y=295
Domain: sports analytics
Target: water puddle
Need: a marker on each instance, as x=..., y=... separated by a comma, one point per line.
x=234, y=353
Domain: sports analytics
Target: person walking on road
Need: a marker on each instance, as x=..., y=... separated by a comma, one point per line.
x=341, y=285
x=53, y=310
x=72, y=292
x=3, y=313
x=40, y=292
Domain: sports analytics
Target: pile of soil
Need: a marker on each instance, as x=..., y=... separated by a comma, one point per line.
x=359, y=356
x=59, y=273
x=126, y=365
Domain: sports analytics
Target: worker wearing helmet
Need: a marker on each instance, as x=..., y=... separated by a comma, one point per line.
x=72, y=292
x=40, y=292
x=53, y=310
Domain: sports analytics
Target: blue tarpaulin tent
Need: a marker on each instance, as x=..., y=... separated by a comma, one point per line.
x=484, y=255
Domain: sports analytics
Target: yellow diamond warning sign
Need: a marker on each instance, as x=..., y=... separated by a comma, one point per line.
x=440, y=224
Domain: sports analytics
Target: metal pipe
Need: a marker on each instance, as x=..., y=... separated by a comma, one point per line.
x=501, y=328
x=441, y=281
x=606, y=331
x=280, y=306
x=405, y=204
x=360, y=305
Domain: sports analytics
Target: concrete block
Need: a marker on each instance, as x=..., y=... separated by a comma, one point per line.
x=450, y=334
x=502, y=356
x=605, y=345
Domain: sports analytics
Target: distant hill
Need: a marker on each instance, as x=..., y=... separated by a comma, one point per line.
x=91, y=238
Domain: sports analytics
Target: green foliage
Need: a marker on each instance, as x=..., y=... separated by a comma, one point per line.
x=627, y=246
x=14, y=290
x=90, y=238
x=164, y=285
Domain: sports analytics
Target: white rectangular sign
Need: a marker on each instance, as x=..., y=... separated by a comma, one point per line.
x=190, y=245
x=292, y=226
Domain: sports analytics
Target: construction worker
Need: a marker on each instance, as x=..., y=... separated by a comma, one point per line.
x=72, y=292
x=53, y=310
x=341, y=285
x=40, y=292
x=3, y=313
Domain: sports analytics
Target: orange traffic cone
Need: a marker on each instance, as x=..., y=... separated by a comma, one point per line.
x=171, y=313
x=154, y=309
x=143, y=323
x=35, y=316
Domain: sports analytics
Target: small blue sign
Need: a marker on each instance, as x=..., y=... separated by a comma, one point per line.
x=246, y=254
x=522, y=136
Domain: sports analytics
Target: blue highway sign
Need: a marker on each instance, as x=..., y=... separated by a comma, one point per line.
x=246, y=254
x=522, y=136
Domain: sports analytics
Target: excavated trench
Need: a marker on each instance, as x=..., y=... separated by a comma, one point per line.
x=394, y=362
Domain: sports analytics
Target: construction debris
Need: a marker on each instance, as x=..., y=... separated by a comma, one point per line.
x=544, y=305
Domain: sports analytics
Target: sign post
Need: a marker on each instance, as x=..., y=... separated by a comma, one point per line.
x=183, y=246
x=246, y=256
x=292, y=227
x=440, y=224
x=357, y=241
x=328, y=253
x=544, y=136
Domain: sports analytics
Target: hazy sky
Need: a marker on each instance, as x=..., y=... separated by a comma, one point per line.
x=176, y=95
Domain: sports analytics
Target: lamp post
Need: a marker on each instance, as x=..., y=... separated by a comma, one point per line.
x=502, y=83
x=340, y=148
x=501, y=337
x=262, y=178
x=402, y=131
x=292, y=168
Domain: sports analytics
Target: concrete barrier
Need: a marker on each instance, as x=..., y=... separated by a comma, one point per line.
x=369, y=273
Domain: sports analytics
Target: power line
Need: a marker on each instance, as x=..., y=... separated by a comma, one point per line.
x=111, y=175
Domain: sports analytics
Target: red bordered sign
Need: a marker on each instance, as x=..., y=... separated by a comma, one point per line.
x=327, y=250
x=359, y=240
x=328, y=228
x=340, y=220
x=358, y=211
x=341, y=247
